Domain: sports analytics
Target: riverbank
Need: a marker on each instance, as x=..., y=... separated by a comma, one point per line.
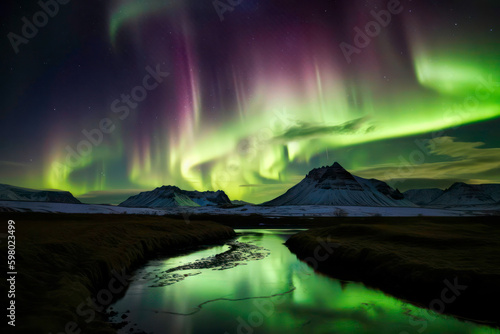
x=62, y=260
x=448, y=267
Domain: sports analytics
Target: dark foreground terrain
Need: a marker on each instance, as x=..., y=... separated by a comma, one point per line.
x=62, y=260
x=449, y=265
x=70, y=266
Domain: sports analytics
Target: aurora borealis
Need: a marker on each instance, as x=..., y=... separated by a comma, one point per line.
x=252, y=102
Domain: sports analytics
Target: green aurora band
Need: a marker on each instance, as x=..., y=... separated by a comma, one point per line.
x=282, y=117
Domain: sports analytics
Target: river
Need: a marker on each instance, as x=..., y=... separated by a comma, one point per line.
x=256, y=285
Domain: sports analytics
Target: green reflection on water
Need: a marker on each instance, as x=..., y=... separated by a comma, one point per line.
x=316, y=304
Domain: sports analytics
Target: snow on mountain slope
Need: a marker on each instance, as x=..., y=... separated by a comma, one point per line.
x=12, y=193
x=491, y=189
x=205, y=198
x=166, y=196
x=333, y=185
x=171, y=196
x=422, y=196
x=468, y=194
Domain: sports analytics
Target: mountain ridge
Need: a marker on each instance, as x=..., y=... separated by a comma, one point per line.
x=326, y=185
x=14, y=193
x=458, y=194
x=333, y=185
x=172, y=196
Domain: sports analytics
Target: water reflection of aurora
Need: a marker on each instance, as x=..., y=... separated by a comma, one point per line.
x=316, y=304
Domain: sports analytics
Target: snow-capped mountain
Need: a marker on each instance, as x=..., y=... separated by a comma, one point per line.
x=333, y=185
x=171, y=196
x=205, y=198
x=423, y=196
x=461, y=194
x=11, y=193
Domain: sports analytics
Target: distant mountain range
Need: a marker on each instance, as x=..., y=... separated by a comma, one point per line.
x=329, y=185
x=171, y=196
x=459, y=194
x=12, y=193
x=333, y=185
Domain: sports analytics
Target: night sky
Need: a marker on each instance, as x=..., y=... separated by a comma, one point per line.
x=109, y=98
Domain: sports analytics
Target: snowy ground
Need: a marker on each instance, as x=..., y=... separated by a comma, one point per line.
x=324, y=211
x=268, y=211
x=71, y=208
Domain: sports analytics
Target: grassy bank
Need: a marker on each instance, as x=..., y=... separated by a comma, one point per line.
x=63, y=259
x=412, y=259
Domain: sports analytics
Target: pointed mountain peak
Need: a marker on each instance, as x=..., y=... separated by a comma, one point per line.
x=337, y=165
x=459, y=184
x=333, y=172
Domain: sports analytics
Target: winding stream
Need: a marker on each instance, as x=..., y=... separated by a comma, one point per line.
x=256, y=285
